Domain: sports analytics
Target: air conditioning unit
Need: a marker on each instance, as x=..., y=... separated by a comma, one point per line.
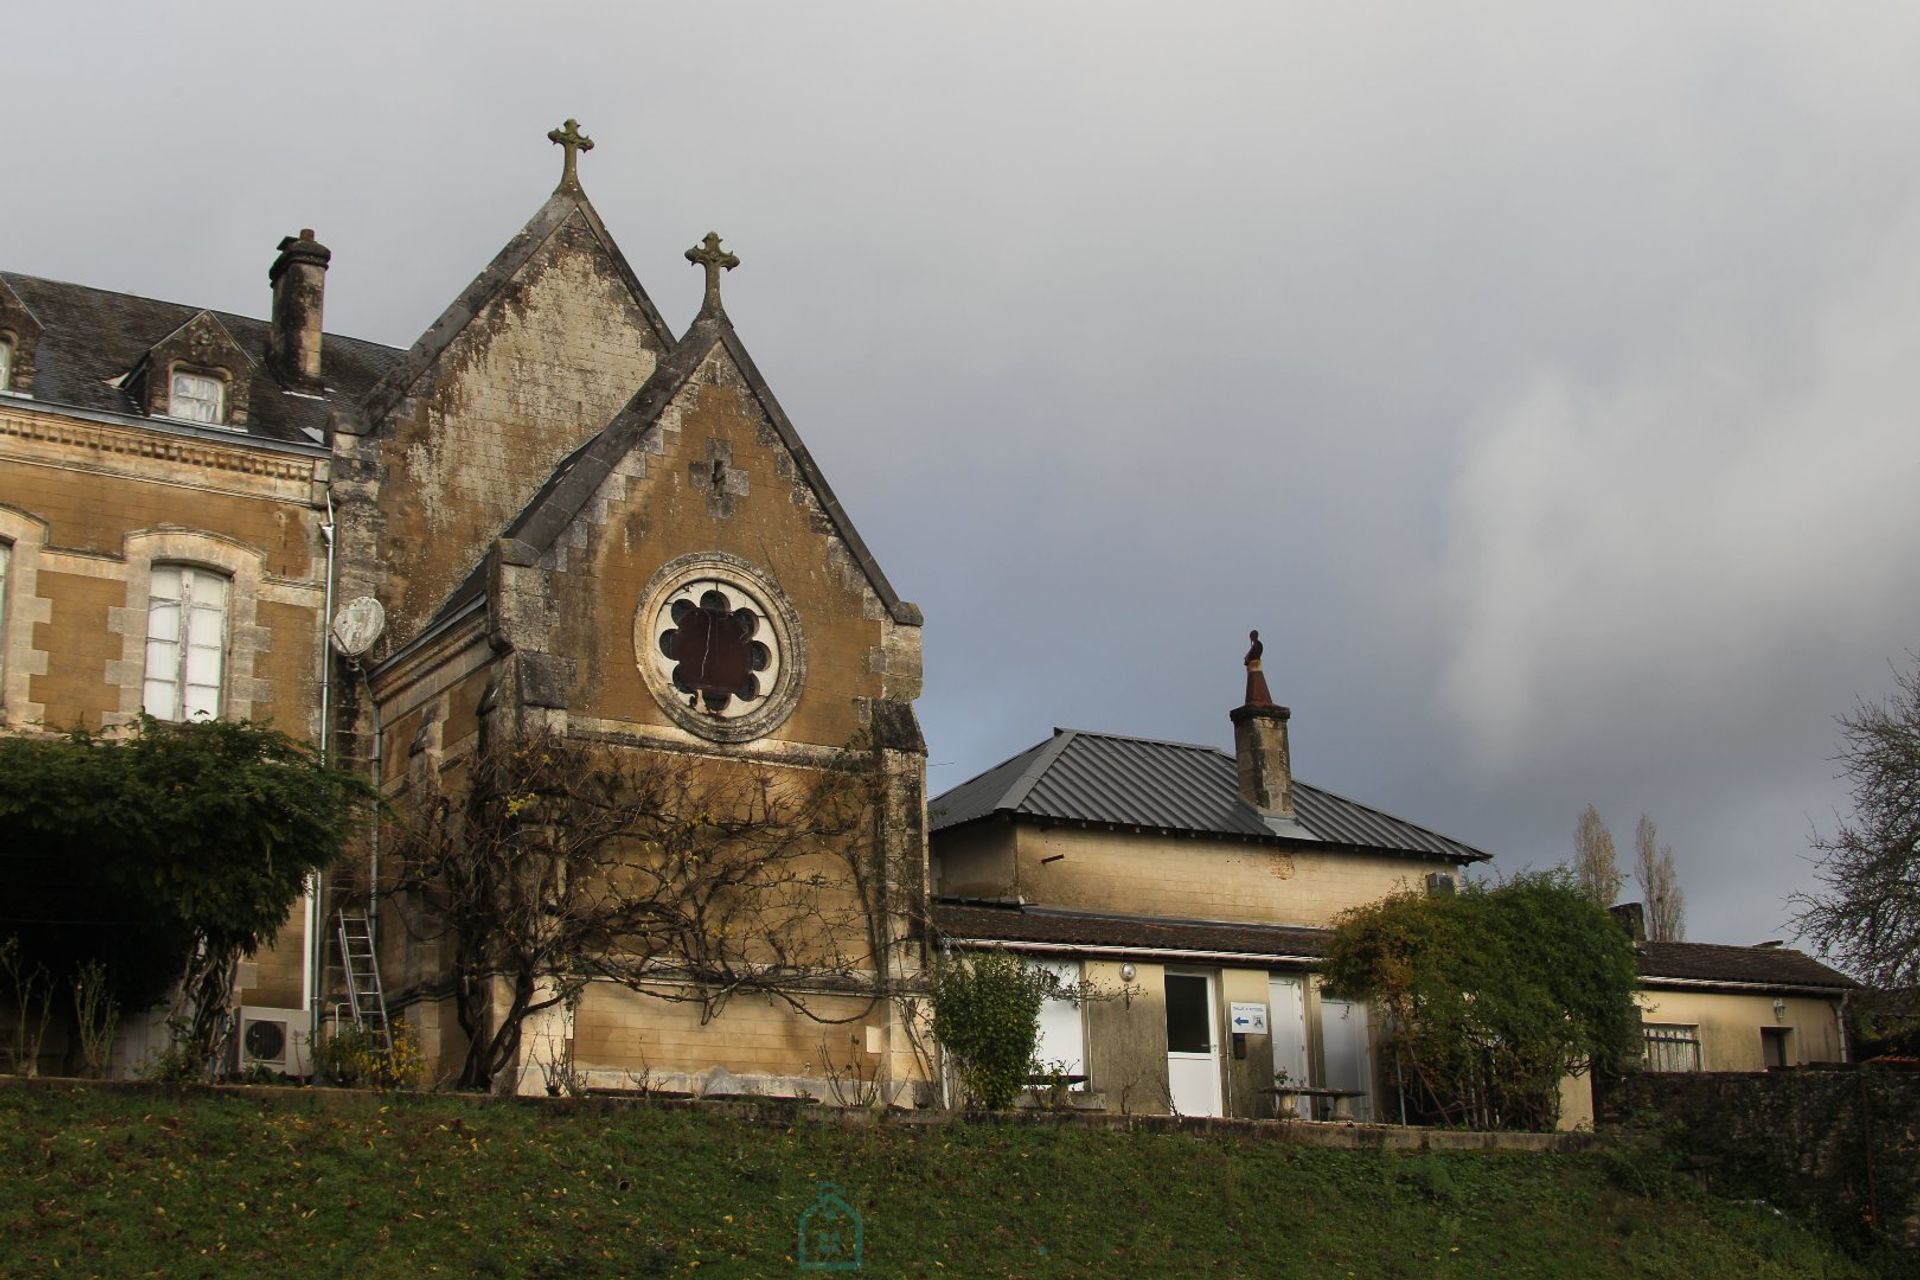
x=274, y=1040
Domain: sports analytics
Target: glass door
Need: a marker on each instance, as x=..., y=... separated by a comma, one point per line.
x=1193, y=1040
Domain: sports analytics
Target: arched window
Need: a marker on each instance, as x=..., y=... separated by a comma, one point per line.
x=186, y=642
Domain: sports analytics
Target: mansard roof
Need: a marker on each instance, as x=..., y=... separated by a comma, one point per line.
x=575, y=481
x=1107, y=780
x=90, y=339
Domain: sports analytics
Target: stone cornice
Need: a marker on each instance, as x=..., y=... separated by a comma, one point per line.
x=243, y=456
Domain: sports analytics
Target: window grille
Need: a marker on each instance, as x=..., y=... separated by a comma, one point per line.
x=1672, y=1048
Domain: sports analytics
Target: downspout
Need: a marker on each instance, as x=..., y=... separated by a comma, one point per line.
x=310, y=977
x=373, y=844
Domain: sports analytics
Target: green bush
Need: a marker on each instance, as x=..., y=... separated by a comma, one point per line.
x=347, y=1056
x=1490, y=997
x=986, y=1016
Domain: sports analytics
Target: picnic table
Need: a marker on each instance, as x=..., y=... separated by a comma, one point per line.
x=1285, y=1094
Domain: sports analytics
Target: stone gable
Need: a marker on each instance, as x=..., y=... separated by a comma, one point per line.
x=552, y=354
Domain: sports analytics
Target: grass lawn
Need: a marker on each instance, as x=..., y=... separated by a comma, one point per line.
x=118, y=1182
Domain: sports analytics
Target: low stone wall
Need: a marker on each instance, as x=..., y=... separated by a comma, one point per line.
x=788, y=1111
x=1842, y=1145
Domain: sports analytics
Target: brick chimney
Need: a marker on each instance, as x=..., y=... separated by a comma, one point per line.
x=299, y=279
x=1260, y=743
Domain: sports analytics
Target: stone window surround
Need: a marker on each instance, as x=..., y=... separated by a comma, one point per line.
x=20, y=612
x=245, y=570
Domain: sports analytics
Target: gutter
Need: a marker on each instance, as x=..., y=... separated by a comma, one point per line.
x=1716, y=984
x=1169, y=953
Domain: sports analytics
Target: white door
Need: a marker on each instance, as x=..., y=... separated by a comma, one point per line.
x=1343, y=1034
x=1287, y=1021
x=1193, y=1045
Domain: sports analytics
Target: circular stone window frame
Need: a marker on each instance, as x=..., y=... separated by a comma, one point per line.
x=746, y=578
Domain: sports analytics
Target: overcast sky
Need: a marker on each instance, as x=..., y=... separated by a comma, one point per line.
x=1540, y=379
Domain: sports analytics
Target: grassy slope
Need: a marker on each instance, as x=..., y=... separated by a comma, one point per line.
x=114, y=1183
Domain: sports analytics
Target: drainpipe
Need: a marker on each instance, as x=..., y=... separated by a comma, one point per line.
x=310, y=977
x=373, y=844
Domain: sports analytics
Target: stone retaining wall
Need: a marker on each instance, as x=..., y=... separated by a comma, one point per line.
x=1349, y=1137
x=1840, y=1145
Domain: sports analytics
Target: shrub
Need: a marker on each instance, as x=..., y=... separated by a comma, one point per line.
x=986, y=1016
x=1490, y=997
x=347, y=1056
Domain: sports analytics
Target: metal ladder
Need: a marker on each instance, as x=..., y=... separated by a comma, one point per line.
x=364, y=995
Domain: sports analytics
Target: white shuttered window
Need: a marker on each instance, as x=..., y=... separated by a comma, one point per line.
x=186, y=642
x=1062, y=1042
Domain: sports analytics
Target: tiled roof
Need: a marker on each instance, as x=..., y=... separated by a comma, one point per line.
x=1711, y=962
x=1014, y=925
x=91, y=337
x=1076, y=776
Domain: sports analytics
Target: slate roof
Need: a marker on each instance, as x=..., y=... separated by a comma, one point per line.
x=1694, y=962
x=1711, y=962
x=1139, y=783
x=89, y=337
x=1039, y=924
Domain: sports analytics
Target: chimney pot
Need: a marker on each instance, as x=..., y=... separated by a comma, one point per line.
x=299, y=280
x=1260, y=743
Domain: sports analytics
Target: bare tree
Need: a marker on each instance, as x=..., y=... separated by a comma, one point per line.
x=1659, y=884
x=1596, y=865
x=1867, y=918
x=547, y=862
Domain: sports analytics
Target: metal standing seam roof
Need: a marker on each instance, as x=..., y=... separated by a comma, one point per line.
x=1077, y=776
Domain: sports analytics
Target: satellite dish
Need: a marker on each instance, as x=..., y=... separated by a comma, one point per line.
x=357, y=625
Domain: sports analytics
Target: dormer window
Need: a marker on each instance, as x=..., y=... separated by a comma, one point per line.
x=197, y=397
x=6, y=363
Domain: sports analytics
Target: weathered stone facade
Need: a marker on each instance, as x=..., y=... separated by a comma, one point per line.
x=510, y=490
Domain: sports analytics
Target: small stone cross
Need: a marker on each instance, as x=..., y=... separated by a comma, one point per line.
x=710, y=255
x=575, y=142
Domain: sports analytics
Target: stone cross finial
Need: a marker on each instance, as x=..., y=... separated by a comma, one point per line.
x=710, y=255
x=575, y=142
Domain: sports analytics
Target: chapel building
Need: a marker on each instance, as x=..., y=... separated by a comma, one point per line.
x=511, y=522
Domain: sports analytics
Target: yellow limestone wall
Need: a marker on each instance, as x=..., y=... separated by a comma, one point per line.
x=88, y=508
x=1730, y=1025
x=1196, y=879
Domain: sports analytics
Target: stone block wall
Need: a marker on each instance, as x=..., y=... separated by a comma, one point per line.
x=1842, y=1146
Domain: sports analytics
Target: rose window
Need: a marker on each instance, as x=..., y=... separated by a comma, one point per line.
x=716, y=656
